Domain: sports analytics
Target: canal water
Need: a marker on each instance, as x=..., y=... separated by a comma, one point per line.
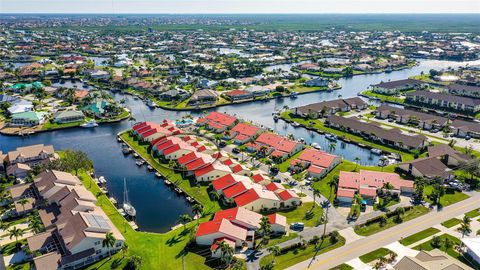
x=158, y=208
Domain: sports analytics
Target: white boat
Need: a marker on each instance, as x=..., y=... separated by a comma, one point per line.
x=90, y=124
x=151, y=104
x=102, y=180
x=376, y=151
x=127, y=207
x=330, y=137
x=316, y=146
x=293, y=95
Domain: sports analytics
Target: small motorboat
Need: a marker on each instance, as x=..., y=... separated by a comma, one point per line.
x=135, y=155
x=316, y=146
x=102, y=180
x=295, y=124
x=275, y=118
x=158, y=175
x=330, y=137
x=150, y=168
x=294, y=95
x=90, y=124
x=126, y=150
x=376, y=151
x=140, y=163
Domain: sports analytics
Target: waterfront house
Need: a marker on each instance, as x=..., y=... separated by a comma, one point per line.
x=443, y=101
x=390, y=137
x=394, y=87
x=96, y=74
x=367, y=183
x=174, y=94
x=405, y=116
x=7, y=99
x=330, y=107
x=69, y=116
x=288, y=198
x=280, y=146
x=235, y=95
x=472, y=248
x=227, y=181
x=31, y=155
x=242, y=133
x=217, y=122
x=18, y=170
x=429, y=167
x=464, y=90
x=258, y=90
x=319, y=163
x=28, y=119
x=203, y=97
x=448, y=155
x=462, y=129
x=317, y=82
x=434, y=259
x=96, y=108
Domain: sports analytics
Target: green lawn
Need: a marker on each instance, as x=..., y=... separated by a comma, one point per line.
x=305, y=213
x=343, y=266
x=319, y=126
x=199, y=192
x=473, y=214
x=277, y=240
x=448, y=198
x=451, y=222
x=283, y=167
x=418, y=236
x=387, y=98
x=158, y=251
x=450, y=251
x=366, y=230
x=348, y=166
x=49, y=125
x=9, y=249
x=295, y=256
x=21, y=266
x=374, y=255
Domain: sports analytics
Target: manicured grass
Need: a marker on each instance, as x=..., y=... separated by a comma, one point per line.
x=320, y=126
x=277, y=240
x=10, y=249
x=418, y=236
x=379, y=206
x=50, y=125
x=348, y=166
x=295, y=256
x=374, y=255
x=366, y=230
x=447, y=199
x=342, y=266
x=305, y=213
x=472, y=214
x=285, y=165
x=451, y=222
x=387, y=98
x=158, y=251
x=199, y=192
x=20, y=266
x=450, y=251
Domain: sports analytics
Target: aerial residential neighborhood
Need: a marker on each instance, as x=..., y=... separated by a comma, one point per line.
x=239, y=135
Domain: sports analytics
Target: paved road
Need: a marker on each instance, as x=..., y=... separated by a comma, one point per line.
x=381, y=239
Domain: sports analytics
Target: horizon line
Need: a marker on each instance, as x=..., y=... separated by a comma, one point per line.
x=216, y=13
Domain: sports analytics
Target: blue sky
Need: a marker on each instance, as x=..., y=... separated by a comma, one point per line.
x=240, y=6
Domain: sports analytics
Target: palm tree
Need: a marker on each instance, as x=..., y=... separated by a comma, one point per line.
x=134, y=262
x=333, y=183
x=316, y=193
x=227, y=253
x=383, y=159
x=275, y=250
x=464, y=229
x=197, y=209
x=124, y=249
x=331, y=147
x=108, y=242
x=22, y=202
x=214, y=195
x=15, y=233
x=357, y=160
x=265, y=227
x=184, y=219
x=466, y=220
x=35, y=225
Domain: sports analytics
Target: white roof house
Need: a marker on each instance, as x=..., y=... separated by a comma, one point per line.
x=473, y=247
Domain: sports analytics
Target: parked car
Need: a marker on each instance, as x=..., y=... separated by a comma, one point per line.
x=276, y=180
x=273, y=170
x=222, y=144
x=235, y=151
x=298, y=226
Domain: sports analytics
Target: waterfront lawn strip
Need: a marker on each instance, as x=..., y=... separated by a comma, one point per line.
x=297, y=255
x=451, y=222
x=374, y=227
x=199, y=192
x=52, y=125
x=418, y=236
x=374, y=255
x=320, y=126
x=387, y=98
x=158, y=251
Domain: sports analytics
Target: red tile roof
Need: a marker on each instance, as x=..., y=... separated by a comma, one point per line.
x=247, y=197
x=258, y=178
x=274, y=186
x=346, y=193
x=278, y=142
x=197, y=164
x=224, y=182
x=317, y=157
x=245, y=129
x=187, y=158
x=287, y=195
x=234, y=190
x=223, y=226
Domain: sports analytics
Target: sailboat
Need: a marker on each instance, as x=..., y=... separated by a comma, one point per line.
x=127, y=207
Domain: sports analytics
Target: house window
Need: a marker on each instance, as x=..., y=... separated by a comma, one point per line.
x=98, y=251
x=97, y=243
x=119, y=244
